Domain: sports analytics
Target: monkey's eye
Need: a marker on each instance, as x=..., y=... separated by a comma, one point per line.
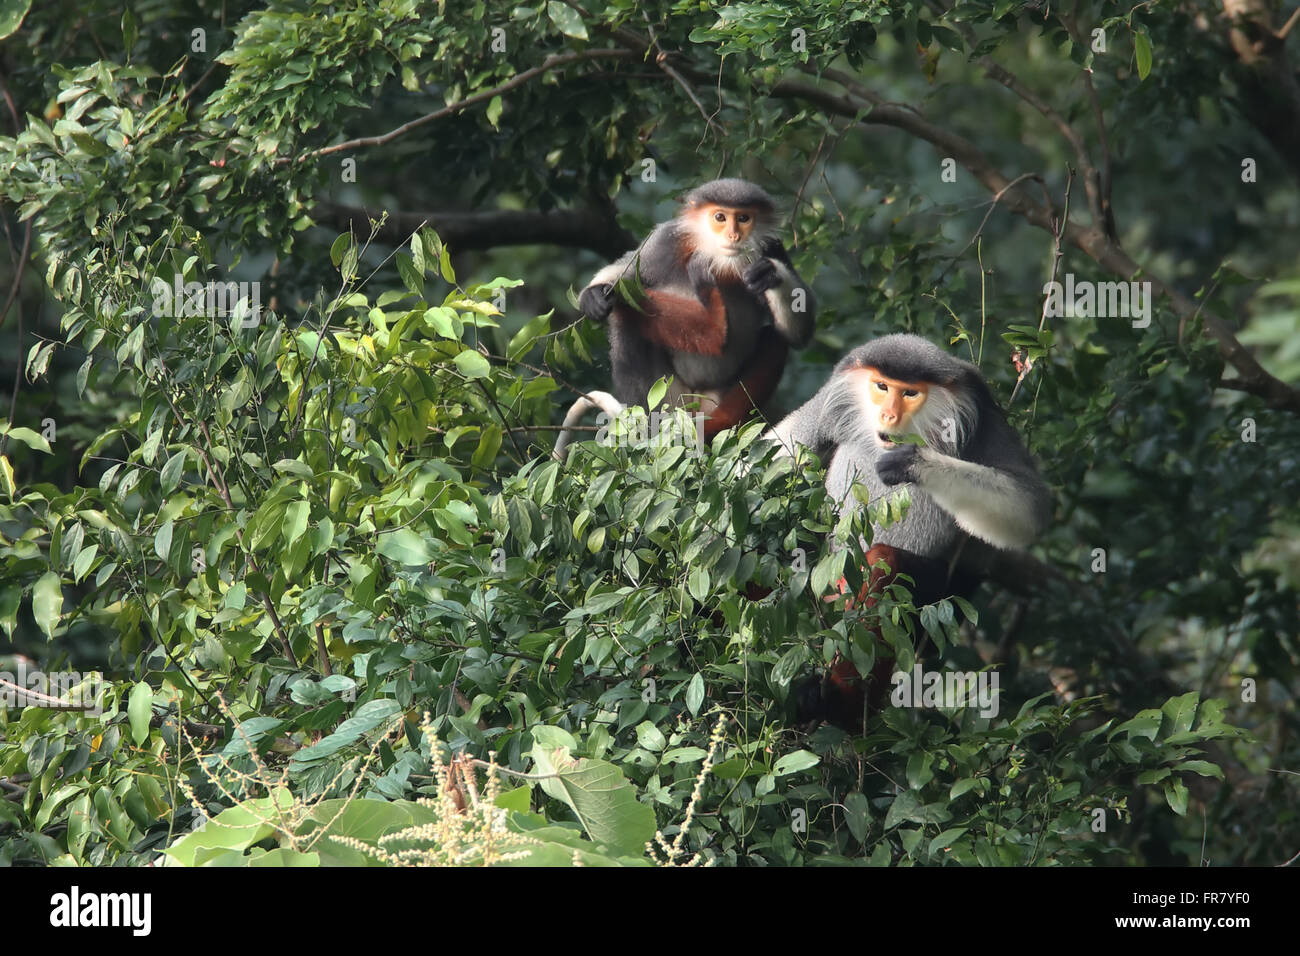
x=742, y=217
x=910, y=393
x=882, y=386
x=719, y=217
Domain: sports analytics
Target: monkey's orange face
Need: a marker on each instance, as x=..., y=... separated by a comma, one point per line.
x=894, y=402
x=729, y=227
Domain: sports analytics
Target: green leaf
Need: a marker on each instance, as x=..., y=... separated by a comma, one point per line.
x=172, y=471
x=1181, y=712
x=494, y=109
x=695, y=694
x=28, y=437
x=489, y=443
x=857, y=814
x=698, y=583
x=405, y=547
x=949, y=38
x=1176, y=794
x=162, y=541
x=338, y=248
x=11, y=16
x=54, y=801
x=795, y=762
x=962, y=786
x=1145, y=724
x=600, y=797
x=657, y=392
x=566, y=19
x=130, y=33
x=946, y=839
x=292, y=466
x=47, y=602
x=517, y=799
x=368, y=716
x=295, y=521
x=7, y=485
x=417, y=254
x=83, y=561
x=412, y=278
x=523, y=340
x=650, y=737
x=920, y=769
x=11, y=598
x=907, y=807
x=827, y=570
x=1142, y=47
x=235, y=829
x=1202, y=767
x=472, y=364
x=139, y=709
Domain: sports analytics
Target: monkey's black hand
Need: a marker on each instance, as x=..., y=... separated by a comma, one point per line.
x=597, y=302
x=898, y=465
x=761, y=276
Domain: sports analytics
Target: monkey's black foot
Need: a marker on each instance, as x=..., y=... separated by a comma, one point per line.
x=835, y=697
x=809, y=700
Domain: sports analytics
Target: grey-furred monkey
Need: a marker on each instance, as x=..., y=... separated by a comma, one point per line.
x=974, y=474
x=974, y=487
x=720, y=305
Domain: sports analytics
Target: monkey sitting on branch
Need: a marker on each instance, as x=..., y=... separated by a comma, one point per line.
x=975, y=491
x=710, y=298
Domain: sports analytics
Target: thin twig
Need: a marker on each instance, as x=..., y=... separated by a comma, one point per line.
x=519, y=79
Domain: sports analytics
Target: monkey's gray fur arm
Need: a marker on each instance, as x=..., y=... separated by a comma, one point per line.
x=604, y=401
x=793, y=307
x=1008, y=507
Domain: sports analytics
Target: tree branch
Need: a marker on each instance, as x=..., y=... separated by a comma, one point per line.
x=1091, y=178
x=588, y=228
x=1093, y=241
x=553, y=62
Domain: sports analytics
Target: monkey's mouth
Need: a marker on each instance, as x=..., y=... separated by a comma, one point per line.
x=886, y=440
x=744, y=249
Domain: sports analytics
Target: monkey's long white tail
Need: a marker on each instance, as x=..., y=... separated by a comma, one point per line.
x=604, y=401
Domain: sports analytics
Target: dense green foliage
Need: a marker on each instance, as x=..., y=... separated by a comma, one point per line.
x=286, y=535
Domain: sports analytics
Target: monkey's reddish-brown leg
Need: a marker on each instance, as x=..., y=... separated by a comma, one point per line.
x=845, y=691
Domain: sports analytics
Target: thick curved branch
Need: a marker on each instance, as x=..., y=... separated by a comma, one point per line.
x=588, y=228
x=1093, y=240
x=1091, y=178
x=1096, y=181
x=970, y=156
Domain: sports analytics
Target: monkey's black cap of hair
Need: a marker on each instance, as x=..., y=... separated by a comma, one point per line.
x=731, y=192
x=911, y=358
